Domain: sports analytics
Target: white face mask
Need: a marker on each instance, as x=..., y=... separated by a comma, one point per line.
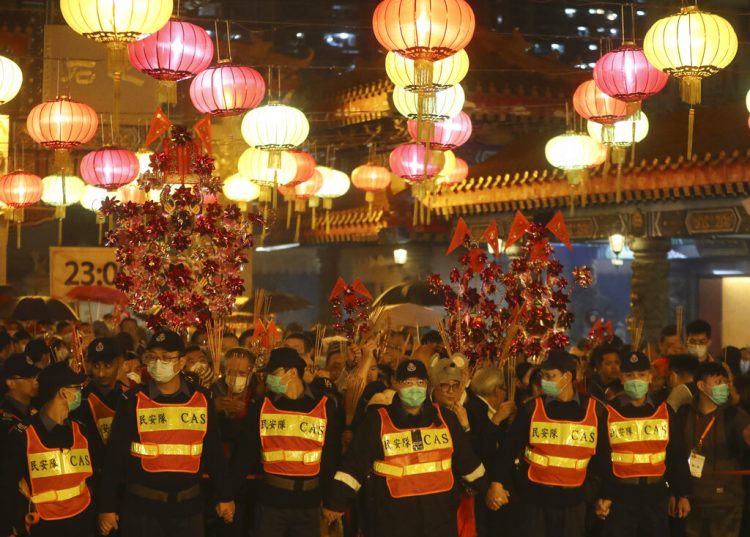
x=134, y=376
x=699, y=351
x=162, y=371
x=239, y=383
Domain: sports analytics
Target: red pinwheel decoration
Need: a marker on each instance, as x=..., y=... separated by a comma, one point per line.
x=350, y=309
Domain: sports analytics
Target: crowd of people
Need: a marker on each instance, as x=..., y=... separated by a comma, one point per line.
x=144, y=435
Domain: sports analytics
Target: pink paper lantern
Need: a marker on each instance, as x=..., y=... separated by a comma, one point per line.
x=305, y=167
x=448, y=134
x=592, y=103
x=110, y=167
x=178, y=51
x=227, y=89
x=625, y=74
x=412, y=163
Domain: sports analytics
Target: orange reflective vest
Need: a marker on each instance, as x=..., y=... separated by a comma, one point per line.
x=103, y=416
x=559, y=451
x=292, y=442
x=639, y=445
x=57, y=476
x=415, y=461
x=170, y=437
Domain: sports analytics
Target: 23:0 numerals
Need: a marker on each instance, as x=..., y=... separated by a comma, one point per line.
x=86, y=273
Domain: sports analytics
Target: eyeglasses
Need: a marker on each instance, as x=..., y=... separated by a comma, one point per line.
x=411, y=383
x=450, y=387
x=152, y=356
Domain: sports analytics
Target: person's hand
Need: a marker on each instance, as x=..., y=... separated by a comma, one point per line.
x=107, y=522
x=354, y=353
x=225, y=510
x=497, y=496
x=683, y=507
x=506, y=410
x=369, y=348
x=331, y=516
x=461, y=414
x=602, y=508
x=672, y=507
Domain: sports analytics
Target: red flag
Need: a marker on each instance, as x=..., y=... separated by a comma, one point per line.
x=462, y=231
x=273, y=334
x=492, y=236
x=518, y=228
x=159, y=125
x=360, y=288
x=203, y=129
x=608, y=329
x=559, y=229
x=339, y=288
x=539, y=251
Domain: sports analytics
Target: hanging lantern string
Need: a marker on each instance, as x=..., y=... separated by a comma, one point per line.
x=229, y=40
x=278, y=82
x=632, y=19
x=216, y=38
x=269, y=85
x=622, y=23
x=178, y=10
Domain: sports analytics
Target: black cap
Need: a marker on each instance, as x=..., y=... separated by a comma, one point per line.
x=56, y=376
x=5, y=339
x=286, y=358
x=411, y=369
x=103, y=349
x=36, y=349
x=167, y=340
x=19, y=366
x=634, y=361
x=561, y=360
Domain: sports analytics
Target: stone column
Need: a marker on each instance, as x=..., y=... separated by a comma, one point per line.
x=649, y=288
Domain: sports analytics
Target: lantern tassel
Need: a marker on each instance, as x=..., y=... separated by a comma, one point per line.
x=297, y=227
x=275, y=188
x=369, y=198
x=605, y=170
x=584, y=189
x=62, y=162
x=18, y=235
x=167, y=91
x=314, y=223
x=328, y=221
x=691, y=127
x=690, y=90
x=415, y=214
x=289, y=214
x=59, y=231
x=618, y=183
x=116, y=62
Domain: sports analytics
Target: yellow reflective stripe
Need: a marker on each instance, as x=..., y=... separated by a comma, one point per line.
x=382, y=467
x=55, y=495
x=639, y=458
x=154, y=450
x=402, y=443
x=307, y=457
x=562, y=434
x=622, y=432
x=298, y=425
x=59, y=462
x=172, y=419
x=559, y=462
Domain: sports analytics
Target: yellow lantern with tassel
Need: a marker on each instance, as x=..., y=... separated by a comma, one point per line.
x=691, y=45
x=446, y=73
x=335, y=184
x=61, y=191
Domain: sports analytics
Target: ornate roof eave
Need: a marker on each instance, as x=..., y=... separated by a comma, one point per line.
x=656, y=181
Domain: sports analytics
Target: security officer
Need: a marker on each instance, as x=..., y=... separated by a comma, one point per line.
x=163, y=435
x=48, y=463
x=295, y=437
x=101, y=395
x=413, y=450
x=556, y=435
x=20, y=379
x=646, y=452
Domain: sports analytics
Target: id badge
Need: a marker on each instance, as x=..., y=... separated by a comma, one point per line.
x=696, y=461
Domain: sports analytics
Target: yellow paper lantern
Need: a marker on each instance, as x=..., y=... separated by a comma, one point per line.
x=449, y=163
x=446, y=73
x=275, y=127
x=93, y=197
x=690, y=46
x=11, y=79
x=257, y=165
x=335, y=183
x=131, y=193
x=62, y=190
x=623, y=135
x=747, y=101
x=241, y=189
x=433, y=107
x=572, y=151
x=116, y=21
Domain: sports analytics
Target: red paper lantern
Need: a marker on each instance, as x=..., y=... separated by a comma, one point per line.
x=593, y=104
x=413, y=163
x=110, y=168
x=448, y=134
x=305, y=167
x=227, y=89
x=62, y=123
x=459, y=173
x=625, y=74
x=178, y=51
x=306, y=189
x=424, y=29
x=20, y=189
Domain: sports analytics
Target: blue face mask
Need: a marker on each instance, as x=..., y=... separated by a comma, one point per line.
x=275, y=384
x=550, y=388
x=413, y=396
x=720, y=394
x=636, y=389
